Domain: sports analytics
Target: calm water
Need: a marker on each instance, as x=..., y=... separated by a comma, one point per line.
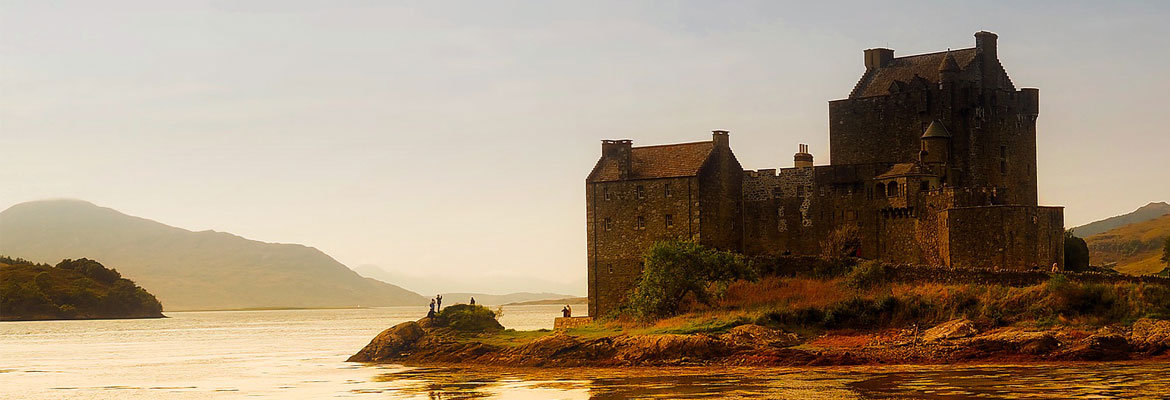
x=300, y=353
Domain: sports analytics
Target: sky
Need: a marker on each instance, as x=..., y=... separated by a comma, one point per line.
x=451, y=140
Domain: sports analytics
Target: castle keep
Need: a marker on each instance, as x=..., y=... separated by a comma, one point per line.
x=933, y=161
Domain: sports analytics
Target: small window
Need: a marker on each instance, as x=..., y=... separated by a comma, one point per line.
x=924, y=186
x=607, y=224
x=669, y=221
x=893, y=189
x=605, y=190
x=880, y=189
x=641, y=224
x=609, y=268
x=640, y=191
x=666, y=189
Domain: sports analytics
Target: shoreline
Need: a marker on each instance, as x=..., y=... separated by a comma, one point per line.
x=426, y=342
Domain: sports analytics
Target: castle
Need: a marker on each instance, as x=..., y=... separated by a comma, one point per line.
x=933, y=161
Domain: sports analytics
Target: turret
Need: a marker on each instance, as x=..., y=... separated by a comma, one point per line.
x=936, y=144
x=802, y=158
x=948, y=71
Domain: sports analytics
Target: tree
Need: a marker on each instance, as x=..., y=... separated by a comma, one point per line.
x=674, y=269
x=1166, y=252
x=1076, y=253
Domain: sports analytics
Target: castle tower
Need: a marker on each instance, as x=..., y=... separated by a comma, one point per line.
x=936, y=144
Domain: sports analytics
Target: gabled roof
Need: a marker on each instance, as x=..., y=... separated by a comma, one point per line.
x=906, y=169
x=663, y=161
x=877, y=82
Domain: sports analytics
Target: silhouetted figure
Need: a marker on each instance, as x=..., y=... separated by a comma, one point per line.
x=439, y=301
x=566, y=313
x=431, y=313
x=473, y=301
x=1055, y=267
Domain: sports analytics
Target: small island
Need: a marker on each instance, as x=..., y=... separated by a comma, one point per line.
x=73, y=289
x=698, y=306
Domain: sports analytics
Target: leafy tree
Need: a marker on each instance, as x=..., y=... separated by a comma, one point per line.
x=676, y=268
x=1166, y=252
x=1076, y=253
x=92, y=269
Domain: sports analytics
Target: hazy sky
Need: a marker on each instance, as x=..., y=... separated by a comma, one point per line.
x=453, y=139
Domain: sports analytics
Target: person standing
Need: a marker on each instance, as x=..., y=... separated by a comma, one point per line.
x=439, y=302
x=432, y=312
x=473, y=301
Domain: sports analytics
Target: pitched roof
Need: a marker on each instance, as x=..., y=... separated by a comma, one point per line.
x=905, y=169
x=936, y=129
x=663, y=161
x=877, y=82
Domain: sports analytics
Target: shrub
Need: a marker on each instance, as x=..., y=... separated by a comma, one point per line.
x=469, y=318
x=676, y=269
x=867, y=274
x=842, y=242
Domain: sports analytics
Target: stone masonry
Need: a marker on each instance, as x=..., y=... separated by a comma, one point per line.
x=933, y=162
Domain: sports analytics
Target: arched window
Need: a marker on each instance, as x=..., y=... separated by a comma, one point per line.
x=881, y=189
x=892, y=190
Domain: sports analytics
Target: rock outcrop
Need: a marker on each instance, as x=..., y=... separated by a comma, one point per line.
x=430, y=340
x=954, y=329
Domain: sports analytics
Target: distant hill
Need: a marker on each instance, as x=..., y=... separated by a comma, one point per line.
x=1145, y=213
x=191, y=270
x=499, y=299
x=74, y=289
x=568, y=301
x=1136, y=248
x=430, y=282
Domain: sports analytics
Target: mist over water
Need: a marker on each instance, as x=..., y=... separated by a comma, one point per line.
x=300, y=354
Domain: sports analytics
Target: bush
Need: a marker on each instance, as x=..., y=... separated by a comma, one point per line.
x=677, y=269
x=1076, y=253
x=867, y=274
x=842, y=242
x=469, y=318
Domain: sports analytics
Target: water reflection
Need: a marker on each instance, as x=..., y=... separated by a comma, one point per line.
x=1073, y=381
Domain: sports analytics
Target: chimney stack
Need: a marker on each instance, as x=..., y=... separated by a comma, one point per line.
x=877, y=58
x=720, y=138
x=619, y=150
x=985, y=43
x=802, y=158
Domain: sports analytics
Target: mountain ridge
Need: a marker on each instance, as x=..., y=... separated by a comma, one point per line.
x=191, y=269
x=1135, y=248
x=1144, y=213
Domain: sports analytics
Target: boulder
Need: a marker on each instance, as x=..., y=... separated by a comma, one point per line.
x=1013, y=341
x=752, y=335
x=390, y=344
x=1151, y=335
x=1098, y=347
x=953, y=329
x=670, y=349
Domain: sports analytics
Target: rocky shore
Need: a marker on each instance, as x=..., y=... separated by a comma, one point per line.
x=430, y=341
